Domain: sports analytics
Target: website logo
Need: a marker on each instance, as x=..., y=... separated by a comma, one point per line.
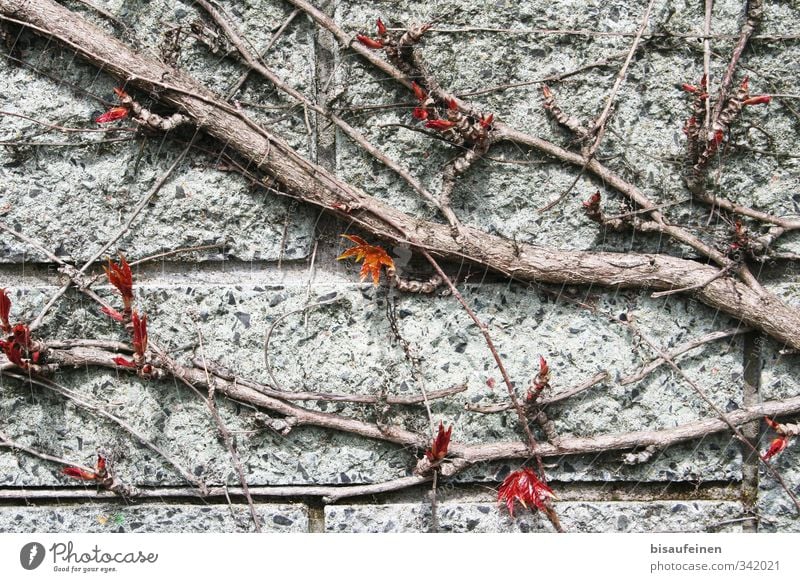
x=31, y=555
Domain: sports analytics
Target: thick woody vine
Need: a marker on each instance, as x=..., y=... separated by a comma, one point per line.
x=729, y=286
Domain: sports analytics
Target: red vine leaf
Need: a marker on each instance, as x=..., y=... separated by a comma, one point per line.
x=13, y=352
x=374, y=257
x=775, y=447
x=20, y=348
x=524, y=486
x=440, y=444
x=120, y=276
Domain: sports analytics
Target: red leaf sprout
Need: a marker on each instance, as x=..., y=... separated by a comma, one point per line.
x=139, y=334
x=592, y=207
x=775, y=447
x=369, y=42
x=113, y=114
x=420, y=113
x=381, y=27
x=5, y=310
x=78, y=473
x=440, y=124
x=123, y=363
x=524, y=486
x=419, y=92
x=440, y=444
x=118, y=112
x=98, y=474
x=757, y=100
x=112, y=313
x=780, y=442
x=541, y=380
x=120, y=276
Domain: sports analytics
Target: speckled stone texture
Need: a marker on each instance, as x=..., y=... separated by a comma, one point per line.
x=151, y=517
x=272, y=256
x=576, y=517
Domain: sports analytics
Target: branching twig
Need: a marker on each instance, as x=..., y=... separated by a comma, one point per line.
x=82, y=354
x=521, y=417
x=543, y=401
x=720, y=413
x=257, y=65
x=226, y=435
x=682, y=349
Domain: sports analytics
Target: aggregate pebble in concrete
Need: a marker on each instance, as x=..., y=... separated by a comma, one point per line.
x=152, y=518
x=576, y=517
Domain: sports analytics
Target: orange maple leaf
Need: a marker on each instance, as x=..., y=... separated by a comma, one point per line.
x=374, y=257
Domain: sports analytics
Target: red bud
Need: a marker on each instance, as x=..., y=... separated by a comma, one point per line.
x=757, y=100
x=440, y=124
x=419, y=92
x=123, y=363
x=113, y=114
x=369, y=42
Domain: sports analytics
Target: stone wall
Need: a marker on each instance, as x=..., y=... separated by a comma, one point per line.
x=274, y=256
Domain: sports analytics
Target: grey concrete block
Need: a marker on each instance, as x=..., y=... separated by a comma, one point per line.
x=576, y=517
x=776, y=510
x=348, y=347
x=644, y=143
x=779, y=379
x=152, y=518
x=74, y=199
